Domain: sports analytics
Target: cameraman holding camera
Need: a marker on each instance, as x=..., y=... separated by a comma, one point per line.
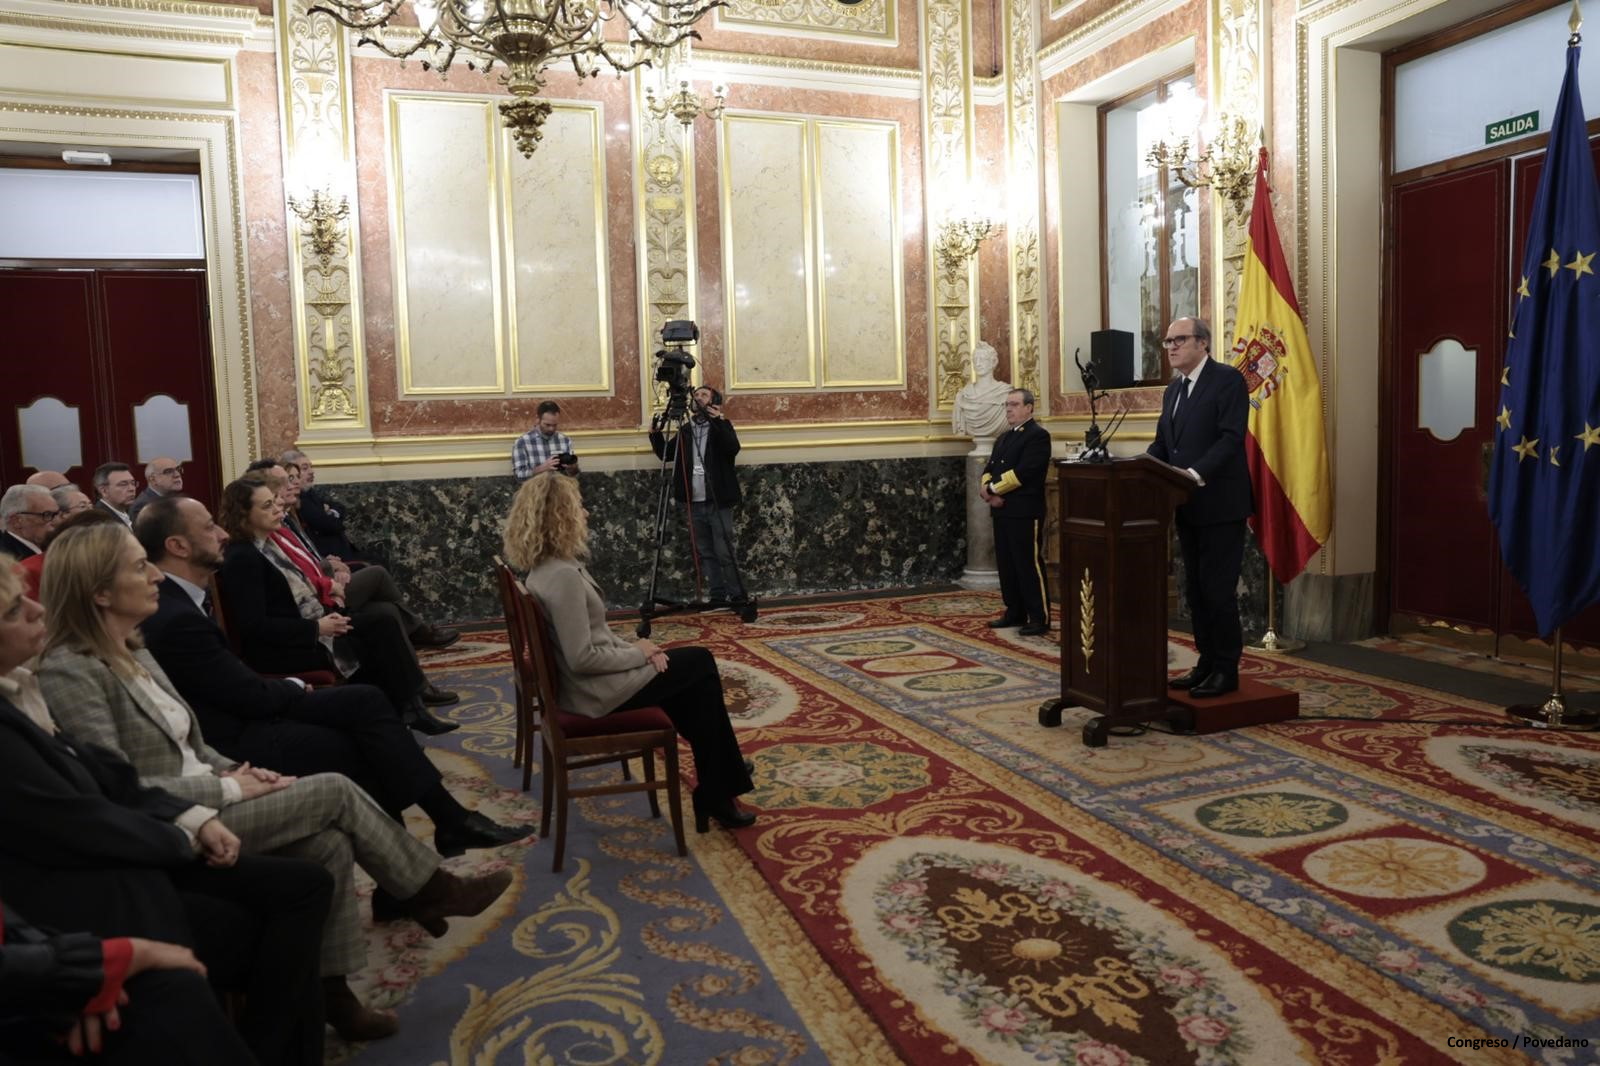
x=542, y=448
x=705, y=477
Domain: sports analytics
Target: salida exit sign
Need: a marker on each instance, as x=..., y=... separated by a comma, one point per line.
x=1507, y=128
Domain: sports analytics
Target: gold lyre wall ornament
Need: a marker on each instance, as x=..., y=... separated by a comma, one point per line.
x=524, y=37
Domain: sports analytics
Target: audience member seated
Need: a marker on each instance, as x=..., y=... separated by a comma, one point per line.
x=67, y=995
x=116, y=487
x=281, y=624
x=105, y=688
x=26, y=514
x=348, y=729
x=322, y=515
x=361, y=584
x=163, y=477
x=48, y=479
x=598, y=672
x=32, y=568
x=70, y=499
x=87, y=849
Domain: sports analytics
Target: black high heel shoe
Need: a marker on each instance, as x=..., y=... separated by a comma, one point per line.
x=726, y=812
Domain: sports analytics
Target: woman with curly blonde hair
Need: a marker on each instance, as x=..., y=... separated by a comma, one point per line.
x=597, y=672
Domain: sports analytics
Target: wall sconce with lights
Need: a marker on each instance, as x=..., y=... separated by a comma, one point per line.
x=322, y=217
x=1227, y=166
x=683, y=103
x=959, y=239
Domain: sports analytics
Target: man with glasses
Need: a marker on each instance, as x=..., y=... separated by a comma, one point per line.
x=163, y=477
x=1201, y=431
x=117, y=487
x=26, y=515
x=69, y=501
x=1012, y=484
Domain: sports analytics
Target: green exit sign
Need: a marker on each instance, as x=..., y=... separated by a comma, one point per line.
x=1507, y=128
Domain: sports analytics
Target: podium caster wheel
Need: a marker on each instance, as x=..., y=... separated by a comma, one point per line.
x=1050, y=714
x=747, y=613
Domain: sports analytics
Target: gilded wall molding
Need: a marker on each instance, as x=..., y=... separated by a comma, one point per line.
x=318, y=153
x=948, y=118
x=1095, y=34
x=870, y=19
x=1238, y=87
x=1022, y=145
x=663, y=181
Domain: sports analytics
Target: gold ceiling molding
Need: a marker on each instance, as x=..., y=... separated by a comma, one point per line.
x=1099, y=32
x=114, y=29
x=873, y=19
x=732, y=60
x=948, y=118
x=170, y=7
x=318, y=152
x=1022, y=235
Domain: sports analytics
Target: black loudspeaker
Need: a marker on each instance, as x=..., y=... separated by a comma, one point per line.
x=1111, y=355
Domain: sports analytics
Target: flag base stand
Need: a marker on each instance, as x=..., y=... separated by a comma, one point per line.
x=1554, y=713
x=1270, y=642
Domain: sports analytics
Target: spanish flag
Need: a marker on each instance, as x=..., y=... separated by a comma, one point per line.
x=1285, y=448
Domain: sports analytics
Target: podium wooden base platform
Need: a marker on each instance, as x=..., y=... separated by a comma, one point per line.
x=1254, y=704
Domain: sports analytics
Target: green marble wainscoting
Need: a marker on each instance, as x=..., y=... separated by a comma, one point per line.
x=802, y=527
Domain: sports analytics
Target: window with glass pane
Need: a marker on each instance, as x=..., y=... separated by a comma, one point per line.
x=1150, y=224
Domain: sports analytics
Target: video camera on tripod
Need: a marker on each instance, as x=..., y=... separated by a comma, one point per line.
x=673, y=365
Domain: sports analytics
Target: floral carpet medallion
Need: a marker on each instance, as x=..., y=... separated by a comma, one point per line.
x=848, y=775
x=1271, y=814
x=1024, y=960
x=1561, y=781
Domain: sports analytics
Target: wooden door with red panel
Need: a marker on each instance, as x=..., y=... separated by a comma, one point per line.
x=107, y=364
x=1449, y=306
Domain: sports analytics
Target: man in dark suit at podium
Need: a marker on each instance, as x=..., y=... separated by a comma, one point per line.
x=1201, y=431
x=1013, y=486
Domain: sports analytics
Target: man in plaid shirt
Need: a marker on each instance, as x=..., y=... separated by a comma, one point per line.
x=539, y=450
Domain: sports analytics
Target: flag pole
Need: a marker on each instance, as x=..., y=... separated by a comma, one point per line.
x=1270, y=642
x=1554, y=713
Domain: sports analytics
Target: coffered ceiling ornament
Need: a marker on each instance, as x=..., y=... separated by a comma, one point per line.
x=948, y=120
x=868, y=18
x=523, y=38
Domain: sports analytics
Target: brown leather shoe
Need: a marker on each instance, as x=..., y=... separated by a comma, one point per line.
x=352, y=1019
x=448, y=896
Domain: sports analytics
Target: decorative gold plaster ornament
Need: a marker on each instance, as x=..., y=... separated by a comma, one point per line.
x=1022, y=144
x=868, y=18
x=1086, y=618
x=664, y=176
x=948, y=113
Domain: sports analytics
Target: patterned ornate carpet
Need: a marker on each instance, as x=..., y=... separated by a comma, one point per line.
x=935, y=877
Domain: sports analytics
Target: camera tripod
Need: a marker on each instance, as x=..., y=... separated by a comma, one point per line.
x=675, y=426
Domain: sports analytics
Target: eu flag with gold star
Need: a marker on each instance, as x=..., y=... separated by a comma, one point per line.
x=1544, y=487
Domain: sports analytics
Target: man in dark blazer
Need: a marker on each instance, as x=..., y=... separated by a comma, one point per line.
x=1012, y=485
x=26, y=515
x=1201, y=431
x=705, y=479
x=278, y=722
x=117, y=487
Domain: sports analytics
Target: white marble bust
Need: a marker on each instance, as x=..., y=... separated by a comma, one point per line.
x=980, y=407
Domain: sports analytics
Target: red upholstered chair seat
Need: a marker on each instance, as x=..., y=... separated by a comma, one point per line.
x=638, y=720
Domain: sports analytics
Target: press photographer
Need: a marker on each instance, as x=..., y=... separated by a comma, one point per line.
x=544, y=447
x=706, y=479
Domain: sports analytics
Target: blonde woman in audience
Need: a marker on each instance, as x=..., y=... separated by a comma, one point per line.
x=105, y=688
x=547, y=534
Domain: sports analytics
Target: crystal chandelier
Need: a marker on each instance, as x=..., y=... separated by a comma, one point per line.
x=525, y=37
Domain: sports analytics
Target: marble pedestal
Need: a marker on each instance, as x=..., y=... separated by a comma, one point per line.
x=980, y=571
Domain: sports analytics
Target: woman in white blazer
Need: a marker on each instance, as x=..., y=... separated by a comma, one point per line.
x=547, y=534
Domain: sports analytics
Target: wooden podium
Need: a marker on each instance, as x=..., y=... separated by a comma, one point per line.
x=1115, y=528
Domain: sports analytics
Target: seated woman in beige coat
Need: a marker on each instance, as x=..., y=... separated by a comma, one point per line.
x=102, y=686
x=598, y=672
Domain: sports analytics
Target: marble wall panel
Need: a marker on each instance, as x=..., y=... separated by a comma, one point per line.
x=397, y=415
x=444, y=185
x=907, y=402
x=994, y=266
x=267, y=249
x=561, y=319
x=768, y=268
x=857, y=176
x=904, y=526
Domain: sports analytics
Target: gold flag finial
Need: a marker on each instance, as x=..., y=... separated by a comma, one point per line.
x=1575, y=21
